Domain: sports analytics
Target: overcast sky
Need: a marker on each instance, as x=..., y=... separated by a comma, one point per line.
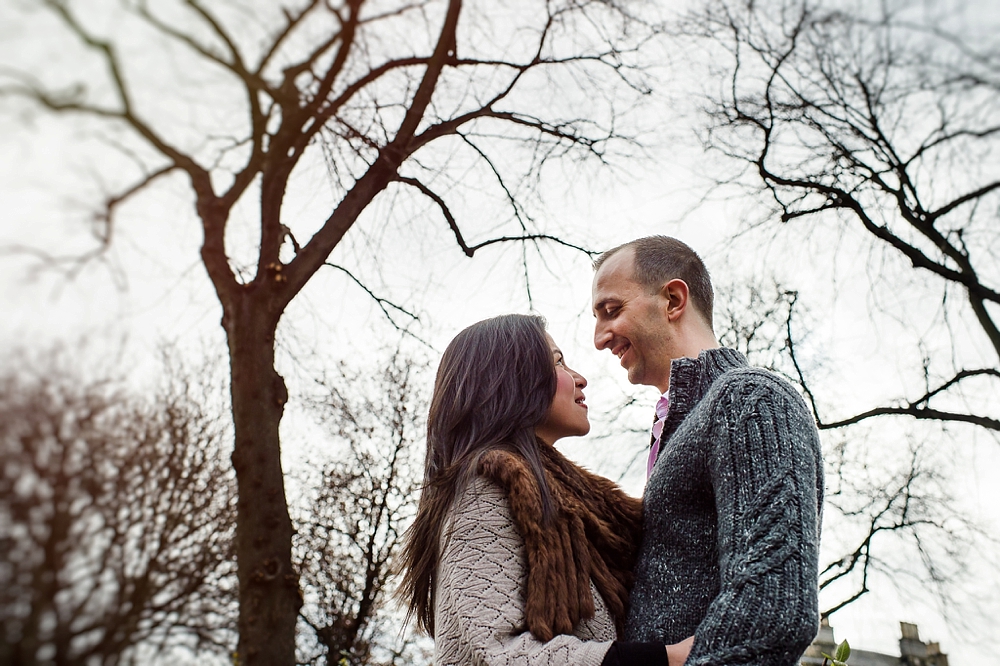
x=150, y=288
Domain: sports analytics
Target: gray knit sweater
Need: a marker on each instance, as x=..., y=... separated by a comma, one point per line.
x=731, y=518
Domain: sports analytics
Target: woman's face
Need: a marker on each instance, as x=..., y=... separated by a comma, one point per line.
x=567, y=416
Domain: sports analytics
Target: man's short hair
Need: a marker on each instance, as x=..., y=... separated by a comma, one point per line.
x=659, y=259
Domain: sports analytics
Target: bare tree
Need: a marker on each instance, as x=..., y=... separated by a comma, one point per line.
x=401, y=96
x=354, y=510
x=897, y=519
x=751, y=318
x=885, y=122
x=117, y=514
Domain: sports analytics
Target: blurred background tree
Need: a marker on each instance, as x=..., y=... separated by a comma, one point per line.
x=117, y=517
x=354, y=509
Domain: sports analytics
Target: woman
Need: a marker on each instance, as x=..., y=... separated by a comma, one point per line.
x=517, y=555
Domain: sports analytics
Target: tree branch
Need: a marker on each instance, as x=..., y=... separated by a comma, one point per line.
x=384, y=305
x=470, y=250
x=292, y=22
x=921, y=413
x=199, y=177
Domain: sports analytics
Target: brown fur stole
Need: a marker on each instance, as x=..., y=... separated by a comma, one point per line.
x=594, y=537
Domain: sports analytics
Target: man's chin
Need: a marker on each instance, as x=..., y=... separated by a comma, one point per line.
x=641, y=379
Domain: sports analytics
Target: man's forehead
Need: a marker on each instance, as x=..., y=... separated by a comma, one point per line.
x=621, y=259
x=615, y=272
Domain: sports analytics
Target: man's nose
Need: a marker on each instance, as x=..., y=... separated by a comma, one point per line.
x=602, y=336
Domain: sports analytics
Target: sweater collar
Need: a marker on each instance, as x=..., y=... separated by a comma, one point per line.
x=690, y=379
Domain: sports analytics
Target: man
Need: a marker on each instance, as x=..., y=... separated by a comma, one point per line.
x=734, y=493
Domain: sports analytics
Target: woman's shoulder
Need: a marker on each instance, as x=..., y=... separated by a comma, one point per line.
x=481, y=500
x=479, y=492
x=480, y=527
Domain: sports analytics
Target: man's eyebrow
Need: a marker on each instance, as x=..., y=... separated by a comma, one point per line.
x=600, y=304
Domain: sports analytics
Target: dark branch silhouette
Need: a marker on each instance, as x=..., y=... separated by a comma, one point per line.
x=886, y=124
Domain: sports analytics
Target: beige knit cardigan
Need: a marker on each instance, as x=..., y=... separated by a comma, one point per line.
x=479, y=599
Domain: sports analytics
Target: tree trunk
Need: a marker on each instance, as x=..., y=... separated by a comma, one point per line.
x=269, y=587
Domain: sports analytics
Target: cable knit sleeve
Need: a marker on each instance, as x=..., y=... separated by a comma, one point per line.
x=766, y=475
x=479, y=608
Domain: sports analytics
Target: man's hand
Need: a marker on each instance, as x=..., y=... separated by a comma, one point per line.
x=678, y=653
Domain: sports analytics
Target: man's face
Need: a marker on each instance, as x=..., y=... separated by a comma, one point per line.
x=632, y=322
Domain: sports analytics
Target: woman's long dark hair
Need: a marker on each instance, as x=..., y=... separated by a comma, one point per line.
x=495, y=383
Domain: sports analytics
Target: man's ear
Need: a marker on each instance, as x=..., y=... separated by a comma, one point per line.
x=675, y=294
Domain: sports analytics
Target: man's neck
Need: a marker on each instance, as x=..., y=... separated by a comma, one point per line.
x=690, y=346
